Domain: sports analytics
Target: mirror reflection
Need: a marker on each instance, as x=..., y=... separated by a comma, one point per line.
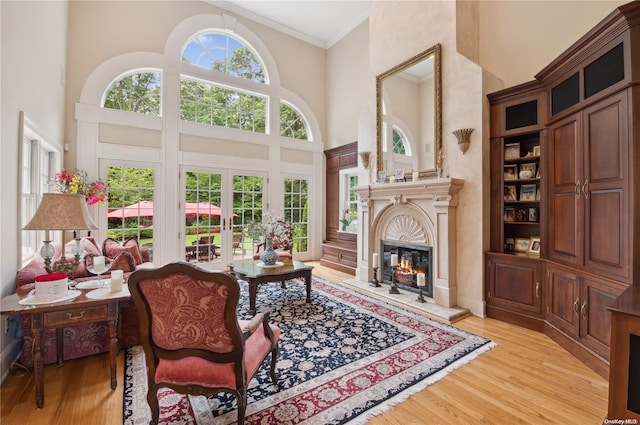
x=409, y=115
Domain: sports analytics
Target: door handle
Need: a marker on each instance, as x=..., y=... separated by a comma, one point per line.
x=583, y=310
x=577, y=189
x=537, y=289
x=575, y=305
x=585, y=189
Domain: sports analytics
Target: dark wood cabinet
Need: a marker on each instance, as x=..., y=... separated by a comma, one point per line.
x=624, y=376
x=589, y=206
x=589, y=188
x=515, y=289
x=339, y=249
x=578, y=311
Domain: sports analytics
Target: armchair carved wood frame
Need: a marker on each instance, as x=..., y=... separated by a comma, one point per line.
x=191, y=336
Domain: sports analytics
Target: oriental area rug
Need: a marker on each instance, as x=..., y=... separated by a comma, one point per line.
x=343, y=358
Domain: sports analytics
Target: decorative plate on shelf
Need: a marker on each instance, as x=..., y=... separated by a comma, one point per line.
x=263, y=265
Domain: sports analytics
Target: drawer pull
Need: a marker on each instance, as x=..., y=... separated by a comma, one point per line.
x=72, y=317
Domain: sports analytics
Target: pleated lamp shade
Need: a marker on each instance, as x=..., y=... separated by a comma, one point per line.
x=62, y=211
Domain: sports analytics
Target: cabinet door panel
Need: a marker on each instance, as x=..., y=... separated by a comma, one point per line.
x=604, y=236
x=515, y=284
x=595, y=328
x=606, y=207
x=565, y=220
x=564, y=300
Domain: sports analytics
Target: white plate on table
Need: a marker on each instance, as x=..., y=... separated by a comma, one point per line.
x=105, y=293
x=263, y=265
x=31, y=298
x=93, y=284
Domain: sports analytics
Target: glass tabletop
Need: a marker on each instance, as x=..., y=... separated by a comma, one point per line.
x=255, y=268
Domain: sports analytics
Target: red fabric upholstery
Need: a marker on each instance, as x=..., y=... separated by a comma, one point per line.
x=191, y=336
x=195, y=370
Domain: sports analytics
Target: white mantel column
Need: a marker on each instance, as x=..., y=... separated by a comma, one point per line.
x=445, y=289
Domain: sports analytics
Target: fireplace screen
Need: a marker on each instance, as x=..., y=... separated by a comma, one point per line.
x=412, y=259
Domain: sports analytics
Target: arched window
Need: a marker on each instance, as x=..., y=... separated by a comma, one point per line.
x=292, y=123
x=221, y=52
x=401, y=145
x=136, y=92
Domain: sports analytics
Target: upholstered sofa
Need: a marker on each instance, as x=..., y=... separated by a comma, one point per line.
x=85, y=339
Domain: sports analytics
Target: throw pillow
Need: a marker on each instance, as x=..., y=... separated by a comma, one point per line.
x=111, y=248
x=122, y=261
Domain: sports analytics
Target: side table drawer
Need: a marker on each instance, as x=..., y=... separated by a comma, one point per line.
x=57, y=318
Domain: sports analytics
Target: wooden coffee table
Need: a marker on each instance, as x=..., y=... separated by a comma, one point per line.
x=250, y=271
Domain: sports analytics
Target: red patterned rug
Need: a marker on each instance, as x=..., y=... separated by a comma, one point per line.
x=343, y=358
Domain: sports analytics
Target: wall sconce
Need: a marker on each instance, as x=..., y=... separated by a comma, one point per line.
x=464, y=138
x=365, y=158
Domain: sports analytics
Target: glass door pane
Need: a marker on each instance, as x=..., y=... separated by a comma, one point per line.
x=296, y=211
x=203, y=217
x=248, y=202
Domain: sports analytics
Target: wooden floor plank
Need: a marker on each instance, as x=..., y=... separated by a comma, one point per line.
x=525, y=379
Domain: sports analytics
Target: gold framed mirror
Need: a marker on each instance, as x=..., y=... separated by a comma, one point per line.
x=409, y=116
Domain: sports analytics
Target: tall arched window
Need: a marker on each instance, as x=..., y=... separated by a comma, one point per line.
x=136, y=92
x=221, y=52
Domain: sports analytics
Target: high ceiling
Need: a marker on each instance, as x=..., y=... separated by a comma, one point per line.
x=321, y=23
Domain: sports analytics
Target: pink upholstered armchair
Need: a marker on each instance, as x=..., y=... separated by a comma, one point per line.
x=191, y=336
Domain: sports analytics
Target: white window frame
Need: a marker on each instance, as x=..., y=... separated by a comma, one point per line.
x=42, y=155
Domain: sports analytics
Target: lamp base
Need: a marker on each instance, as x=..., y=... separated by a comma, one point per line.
x=65, y=266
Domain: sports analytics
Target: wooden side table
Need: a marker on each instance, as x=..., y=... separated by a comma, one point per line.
x=58, y=315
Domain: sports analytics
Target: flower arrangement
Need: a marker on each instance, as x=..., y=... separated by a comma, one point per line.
x=78, y=184
x=255, y=230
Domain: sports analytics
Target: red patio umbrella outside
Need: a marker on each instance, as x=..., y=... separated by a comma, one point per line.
x=139, y=209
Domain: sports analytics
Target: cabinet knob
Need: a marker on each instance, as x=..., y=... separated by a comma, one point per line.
x=577, y=189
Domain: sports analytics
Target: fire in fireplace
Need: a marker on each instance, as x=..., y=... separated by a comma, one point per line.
x=412, y=259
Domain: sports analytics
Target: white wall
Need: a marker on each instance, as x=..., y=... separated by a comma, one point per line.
x=520, y=38
x=33, y=38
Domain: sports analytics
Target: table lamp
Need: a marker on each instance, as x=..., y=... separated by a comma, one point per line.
x=61, y=211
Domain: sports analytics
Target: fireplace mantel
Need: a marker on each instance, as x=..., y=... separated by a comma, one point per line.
x=423, y=211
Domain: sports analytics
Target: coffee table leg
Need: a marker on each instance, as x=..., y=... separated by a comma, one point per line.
x=307, y=279
x=253, y=290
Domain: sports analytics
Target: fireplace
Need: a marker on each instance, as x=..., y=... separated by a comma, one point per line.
x=412, y=259
x=412, y=216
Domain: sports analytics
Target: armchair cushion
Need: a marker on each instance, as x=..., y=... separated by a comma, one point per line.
x=196, y=370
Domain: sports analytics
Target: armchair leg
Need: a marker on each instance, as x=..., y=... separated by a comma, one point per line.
x=274, y=360
x=242, y=404
x=152, y=399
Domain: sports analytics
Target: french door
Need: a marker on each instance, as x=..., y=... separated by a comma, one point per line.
x=217, y=205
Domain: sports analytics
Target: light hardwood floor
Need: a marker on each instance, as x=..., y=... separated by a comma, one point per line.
x=525, y=379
